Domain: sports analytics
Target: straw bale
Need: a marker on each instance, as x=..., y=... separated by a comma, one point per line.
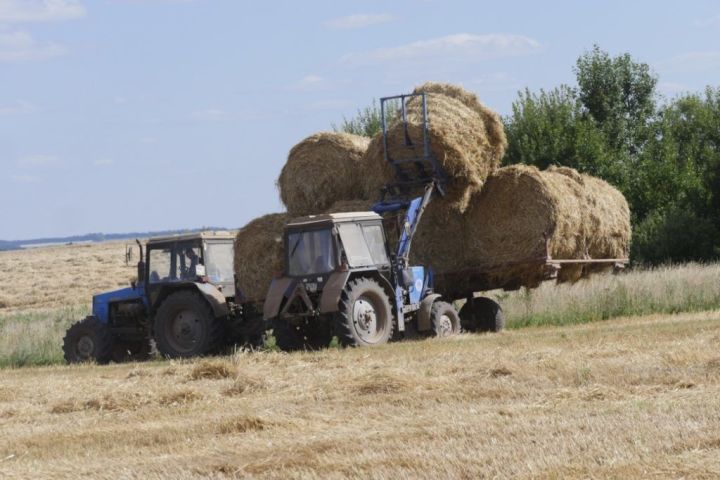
x=259, y=255
x=320, y=170
x=344, y=206
x=458, y=140
x=494, y=128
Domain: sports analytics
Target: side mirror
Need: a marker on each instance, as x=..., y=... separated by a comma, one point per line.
x=141, y=272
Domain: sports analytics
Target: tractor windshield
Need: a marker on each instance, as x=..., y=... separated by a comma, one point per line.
x=364, y=244
x=310, y=253
x=219, y=262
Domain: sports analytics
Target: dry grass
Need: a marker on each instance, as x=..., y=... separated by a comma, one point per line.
x=51, y=277
x=628, y=398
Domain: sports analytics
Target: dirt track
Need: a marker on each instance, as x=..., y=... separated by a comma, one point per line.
x=632, y=397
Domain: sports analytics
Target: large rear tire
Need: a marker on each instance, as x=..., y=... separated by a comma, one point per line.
x=314, y=334
x=365, y=317
x=445, y=319
x=185, y=326
x=482, y=314
x=88, y=340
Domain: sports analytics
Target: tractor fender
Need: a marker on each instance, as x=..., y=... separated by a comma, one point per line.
x=423, y=322
x=332, y=290
x=275, y=297
x=215, y=298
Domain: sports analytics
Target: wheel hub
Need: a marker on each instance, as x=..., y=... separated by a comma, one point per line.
x=445, y=326
x=364, y=316
x=185, y=329
x=85, y=346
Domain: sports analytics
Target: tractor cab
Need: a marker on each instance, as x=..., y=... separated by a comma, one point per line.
x=317, y=246
x=205, y=257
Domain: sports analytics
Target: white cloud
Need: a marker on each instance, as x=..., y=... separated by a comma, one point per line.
x=359, y=20
x=39, y=161
x=18, y=46
x=25, y=11
x=19, y=107
x=691, y=62
x=462, y=46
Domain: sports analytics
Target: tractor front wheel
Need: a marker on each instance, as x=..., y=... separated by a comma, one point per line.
x=185, y=326
x=365, y=317
x=445, y=319
x=88, y=340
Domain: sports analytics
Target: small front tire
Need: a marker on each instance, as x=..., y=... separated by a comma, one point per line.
x=445, y=319
x=88, y=340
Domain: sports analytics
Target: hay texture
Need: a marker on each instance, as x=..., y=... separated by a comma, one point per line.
x=458, y=140
x=505, y=227
x=259, y=255
x=494, y=128
x=320, y=170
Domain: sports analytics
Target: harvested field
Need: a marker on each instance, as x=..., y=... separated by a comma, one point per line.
x=63, y=275
x=321, y=170
x=630, y=398
x=259, y=255
x=458, y=139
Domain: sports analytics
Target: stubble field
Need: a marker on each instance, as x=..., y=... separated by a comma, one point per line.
x=628, y=397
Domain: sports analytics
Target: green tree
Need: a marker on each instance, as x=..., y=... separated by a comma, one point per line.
x=367, y=122
x=619, y=95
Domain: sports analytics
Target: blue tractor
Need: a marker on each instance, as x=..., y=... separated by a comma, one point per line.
x=184, y=301
x=343, y=277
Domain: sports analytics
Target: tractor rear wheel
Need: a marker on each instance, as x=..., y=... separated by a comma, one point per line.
x=365, y=317
x=88, y=340
x=445, y=319
x=185, y=326
x=482, y=314
x=313, y=334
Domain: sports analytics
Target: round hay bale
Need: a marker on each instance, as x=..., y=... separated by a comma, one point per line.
x=494, y=127
x=458, y=141
x=259, y=255
x=344, y=206
x=320, y=170
x=610, y=230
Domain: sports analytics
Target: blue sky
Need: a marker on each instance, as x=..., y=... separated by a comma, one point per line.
x=119, y=115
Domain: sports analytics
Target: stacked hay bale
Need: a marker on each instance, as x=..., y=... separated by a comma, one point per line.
x=464, y=136
x=321, y=170
x=492, y=218
x=523, y=214
x=259, y=255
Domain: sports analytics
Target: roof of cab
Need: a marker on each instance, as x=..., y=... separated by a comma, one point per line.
x=181, y=237
x=332, y=218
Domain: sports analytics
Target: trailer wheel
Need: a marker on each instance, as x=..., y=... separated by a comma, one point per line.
x=88, y=340
x=185, y=326
x=365, y=317
x=309, y=335
x=482, y=314
x=445, y=319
